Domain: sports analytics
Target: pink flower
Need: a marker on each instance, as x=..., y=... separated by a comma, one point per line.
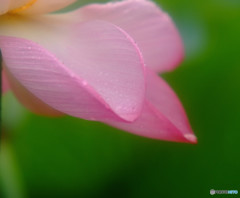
x=99, y=62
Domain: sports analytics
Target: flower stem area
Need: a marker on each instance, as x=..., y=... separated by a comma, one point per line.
x=10, y=179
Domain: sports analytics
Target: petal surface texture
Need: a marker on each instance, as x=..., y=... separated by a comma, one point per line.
x=163, y=116
x=27, y=98
x=37, y=6
x=90, y=70
x=151, y=28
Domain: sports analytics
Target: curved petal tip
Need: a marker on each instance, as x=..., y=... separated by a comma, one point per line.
x=191, y=138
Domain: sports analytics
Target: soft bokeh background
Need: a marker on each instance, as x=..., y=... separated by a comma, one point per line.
x=68, y=157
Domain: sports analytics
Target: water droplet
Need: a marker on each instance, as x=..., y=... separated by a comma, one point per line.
x=84, y=83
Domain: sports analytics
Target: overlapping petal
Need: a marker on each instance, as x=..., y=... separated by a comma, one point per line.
x=151, y=28
x=90, y=64
x=163, y=116
x=91, y=70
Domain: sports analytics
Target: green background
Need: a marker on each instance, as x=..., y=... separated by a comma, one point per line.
x=68, y=157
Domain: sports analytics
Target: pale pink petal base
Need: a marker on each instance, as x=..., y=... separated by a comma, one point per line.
x=32, y=7
x=46, y=6
x=163, y=116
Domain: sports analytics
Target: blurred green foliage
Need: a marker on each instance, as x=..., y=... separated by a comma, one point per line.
x=69, y=157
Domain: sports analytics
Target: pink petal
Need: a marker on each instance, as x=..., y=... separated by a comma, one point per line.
x=89, y=70
x=28, y=99
x=163, y=116
x=37, y=6
x=151, y=28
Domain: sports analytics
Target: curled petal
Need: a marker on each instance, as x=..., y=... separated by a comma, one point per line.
x=163, y=116
x=91, y=70
x=151, y=28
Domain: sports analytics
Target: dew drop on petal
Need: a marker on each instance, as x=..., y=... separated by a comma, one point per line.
x=84, y=83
